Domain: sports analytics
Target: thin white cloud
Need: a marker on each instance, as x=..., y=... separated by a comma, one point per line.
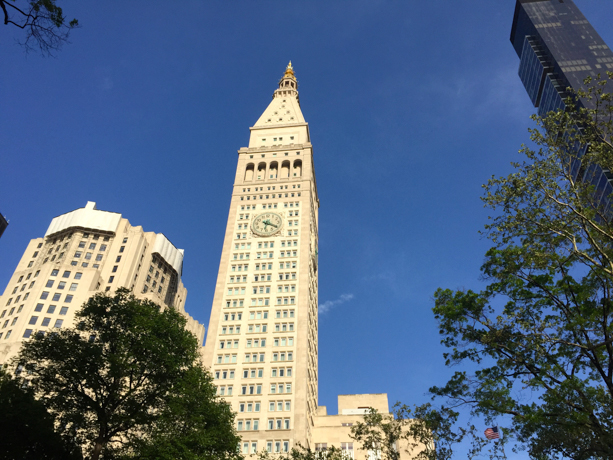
x=329, y=304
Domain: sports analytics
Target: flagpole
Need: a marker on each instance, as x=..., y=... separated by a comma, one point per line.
x=502, y=444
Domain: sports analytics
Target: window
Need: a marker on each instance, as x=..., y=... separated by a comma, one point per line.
x=61, y=285
x=27, y=333
x=73, y=286
x=63, y=310
x=103, y=246
x=43, y=296
x=51, y=309
x=98, y=257
x=45, y=322
x=33, y=320
x=68, y=298
x=78, y=275
x=78, y=254
x=39, y=307
x=66, y=274
x=49, y=284
x=92, y=246
x=58, y=323
x=53, y=272
x=56, y=297
x=111, y=279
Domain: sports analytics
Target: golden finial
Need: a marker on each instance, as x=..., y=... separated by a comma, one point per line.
x=289, y=71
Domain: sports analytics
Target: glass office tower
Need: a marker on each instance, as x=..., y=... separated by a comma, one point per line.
x=3, y=224
x=558, y=48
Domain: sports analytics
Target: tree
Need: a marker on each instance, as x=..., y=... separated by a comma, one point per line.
x=541, y=332
x=127, y=372
x=193, y=426
x=380, y=433
x=304, y=453
x=27, y=428
x=44, y=22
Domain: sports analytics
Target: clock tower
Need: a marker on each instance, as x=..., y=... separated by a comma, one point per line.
x=261, y=344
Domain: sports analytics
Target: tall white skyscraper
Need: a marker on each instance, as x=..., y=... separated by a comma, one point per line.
x=262, y=340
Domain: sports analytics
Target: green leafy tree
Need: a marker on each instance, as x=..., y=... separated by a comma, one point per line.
x=193, y=426
x=43, y=21
x=300, y=452
x=127, y=372
x=421, y=432
x=27, y=428
x=380, y=433
x=540, y=335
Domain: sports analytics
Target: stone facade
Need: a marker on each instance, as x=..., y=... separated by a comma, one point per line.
x=262, y=340
x=84, y=252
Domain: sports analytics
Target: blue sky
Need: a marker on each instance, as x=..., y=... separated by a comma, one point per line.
x=411, y=107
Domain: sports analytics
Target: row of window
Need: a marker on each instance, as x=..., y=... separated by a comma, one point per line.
x=61, y=285
x=66, y=274
x=56, y=297
x=236, y=316
x=234, y=303
x=261, y=189
x=239, y=268
x=92, y=246
x=251, y=447
x=268, y=206
x=256, y=328
x=267, y=197
x=275, y=388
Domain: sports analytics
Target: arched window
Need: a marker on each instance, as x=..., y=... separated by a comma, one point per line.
x=285, y=170
x=249, y=172
x=261, y=171
x=274, y=167
x=297, y=168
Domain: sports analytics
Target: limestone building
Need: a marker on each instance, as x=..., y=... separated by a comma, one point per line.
x=84, y=252
x=262, y=338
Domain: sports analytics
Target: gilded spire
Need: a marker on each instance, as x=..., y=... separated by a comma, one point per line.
x=289, y=71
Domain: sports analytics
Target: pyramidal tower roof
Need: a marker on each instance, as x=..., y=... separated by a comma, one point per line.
x=284, y=109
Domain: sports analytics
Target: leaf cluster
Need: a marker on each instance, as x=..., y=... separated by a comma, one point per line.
x=541, y=332
x=46, y=27
x=28, y=430
x=126, y=378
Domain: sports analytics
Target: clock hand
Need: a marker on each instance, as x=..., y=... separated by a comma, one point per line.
x=267, y=222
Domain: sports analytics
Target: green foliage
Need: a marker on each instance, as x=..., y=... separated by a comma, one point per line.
x=380, y=432
x=27, y=428
x=540, y=334
x=126, y=373
x=44, y=23
x=195, y=425
x=303, y=453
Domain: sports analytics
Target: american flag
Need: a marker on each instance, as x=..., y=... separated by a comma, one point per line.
x=492, y=433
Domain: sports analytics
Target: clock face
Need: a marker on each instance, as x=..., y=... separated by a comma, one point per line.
x=267, y=223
